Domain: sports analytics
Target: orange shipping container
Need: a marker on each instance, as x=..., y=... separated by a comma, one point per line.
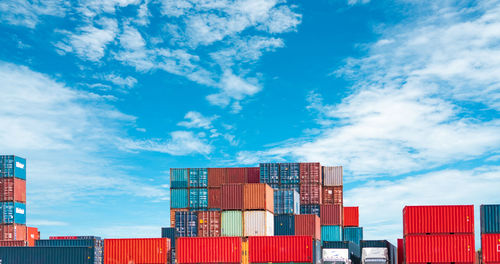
x=351, y=216
x=172, y=215
x=12, y=232
x=308, y=225
x=32, y=234
x=332, y=195
x=258, y=196
x=12, y=189
x=216, y=176
x=136, y=250
x=208, y=224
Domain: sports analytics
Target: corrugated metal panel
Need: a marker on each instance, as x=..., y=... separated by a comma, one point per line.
x=232, y=223
x=317, y=252
x=198, y=198
x=253, y=175
x=52, y=255
x=351, y=216
x=32, y=234
x=169, y=232
x=280, y=249
x=331, y=233
x=439, y=248
x=269, y=173
x=13, y=213
x=331, y=214
x=136, y=250
x=310, y=173
x=12, y=189
x=310, y=193
x=490, y=246
x=186, y=224
x=179, y=198
x=209, y=250
x=308, y=225
x=13, y=243
x=289, y=173
x=314, y=209
x=258, y=223
x=439, y=219
x=400, y=251
x=332, y=195
x=209, y=224
x=490, y=218
x=258, y=196
x=12, y=166
x=198, y=177
x=384, y=244
x=354, y=250
x=236, y=175
x=179, y=178
x=232, y=197
x=12, y=232
x=284, y=225
x=172, y=215
x=216, y=176
x=214, y=198
x=95, y=244
x=353, y=234
x=286, y=201
x=332, y=175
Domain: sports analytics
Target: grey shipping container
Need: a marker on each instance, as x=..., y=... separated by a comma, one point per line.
x=490, y=219
x=316, y=252
x=354, y=250
x=96, y=243
x=393, y=254
x=169, y=232
x=46, y=255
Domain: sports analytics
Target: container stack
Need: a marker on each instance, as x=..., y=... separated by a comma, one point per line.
x=93, y=242
x=439, y=234
x=490, y=233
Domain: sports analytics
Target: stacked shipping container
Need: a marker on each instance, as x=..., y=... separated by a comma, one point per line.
x=490, y=233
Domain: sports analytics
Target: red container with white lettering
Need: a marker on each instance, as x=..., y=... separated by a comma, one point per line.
x=490, y=246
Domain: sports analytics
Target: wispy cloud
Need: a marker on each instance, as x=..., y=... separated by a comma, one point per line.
x=27, y=13
x=180, y=143
x=47, y=223
x=197, y=120
x=125, y=82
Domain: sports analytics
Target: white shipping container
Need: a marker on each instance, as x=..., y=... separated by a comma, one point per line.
x=332, y=175
x=258, y=223
x=336, y=255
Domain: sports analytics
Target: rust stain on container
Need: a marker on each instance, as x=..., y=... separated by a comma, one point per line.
x=258, y=196
x=310, y=172
x=209, y=224
x=310, y=193
x=214, y=198
x=332, y=195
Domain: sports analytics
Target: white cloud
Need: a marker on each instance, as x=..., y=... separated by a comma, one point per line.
x=27, y=13
x=93, y=8
x=46, y=223
x=355, y=2
x=128, y=81
x=180, y=143
x=233, y=88
x=197, y=120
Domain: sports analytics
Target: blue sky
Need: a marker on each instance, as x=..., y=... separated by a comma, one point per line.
x=103, y=97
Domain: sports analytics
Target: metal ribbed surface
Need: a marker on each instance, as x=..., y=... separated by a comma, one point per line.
x=278, y=249
x=439, y=248
x=216, y=176
x=52, y=255
x=209, y=250
x=332, y=176
x=289, y=173
x=232, y=197
x=440, y=219
x=186, y=224
x=331, y=233
x=490, y=219
x=310, y=193
x=232, y=223
x=331, y=214
x=179, y=198
x=308, y=225
x=284, y=225
x=353, y=234
x=490, y=246
x=258, y=196
x=253, y=175
x=310, y=173
x=209, y=224
x=136, y=250
x=351, y=216
x=214, y=198
x=269, y=173
x=198, y=177
x=179, y=178
x=332, y=195
x=258, y=223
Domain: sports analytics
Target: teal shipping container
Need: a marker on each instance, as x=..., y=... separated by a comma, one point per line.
x=284, y=225
x=198, y=198
x=12, y=166
x=13, y=213
x=269, y=173
x=232, y=223
x=95, y=243
x=289, y=173
x=490, y=218
x=52, y=255
x=331, y=233
x=198, y=178
x=353, y=234
x=179, y=198
x=179, y=178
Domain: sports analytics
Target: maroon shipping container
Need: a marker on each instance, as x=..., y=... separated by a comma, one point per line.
x=13, y=243
x=442, y=219
x=214, y=198
x=331, y=214
x=490, y=246
x=310, y=172
x=308, y=225
x=310, y=193
x=236, y=175
x=208, y=224
x=216, y=176
x=208, y=250
x=332, y=195
x=253, y=175
x=12, y=189
x=400, y=251
x=232, y=197
x=439, y=248
x=280, y=249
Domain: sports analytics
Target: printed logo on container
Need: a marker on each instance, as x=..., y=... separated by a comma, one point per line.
x=19, y=165
x=19, y=210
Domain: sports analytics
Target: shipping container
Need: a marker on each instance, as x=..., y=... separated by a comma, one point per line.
x=284, y=225
x=12, y=232
x=400, y=251
x=186, y=224
x=490, y=219
x=332, y=195
x=295, y=187
x=216, y=177
x=232, y=197
x=351, y=216
x=172, y=215
x=232, y=223
x=289, y=173
x=179, y=198
x=208, y=250
x=258, y=223
x=280, y=249
x=258, y=196
x=353, y=250
x=490, y=246
x=286, y=201
x=331, y=214
x=169, y=232
x=332, y=176
x=52, y=255
x=198, y=178
x=214, y=198
x=310, y=193
x=12, y=166
x=353, y=234
x=172, y=256
x=331, y=233
x=209, y=224
x=95, y=244
x=439, y=248
x=236, y=175
x=317, y=252
x=314, y=209
x=310, y=173
x=253, y=175
x=308, y=225
x=13, y=213
x=441, y=219
x=391, y=249
x=12, y=189
x=269, y=173
x=13, y=243
x=198, y=198
x=32, y=234
x=136, y=250
x=179, y=178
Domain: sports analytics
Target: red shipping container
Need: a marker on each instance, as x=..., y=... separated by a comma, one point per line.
x=12, y=189
x=310, y=193
x=13, y=243
x=216, y=176
x=308, y=225
x=12, y=232
x=351, y=216
x=280, y=249
x=253, y=175
x=232, y=197
x=490, y=246
x=137, y=250
x=236, y=175
x=442, y=219
x=32, y=234
x=439, y=248
x=214, y=198
x=63, y=237
x=400, y=251
x=208, y=224
x=208, y=250
x=310, y=172
x=332, y=195
x=331, y=214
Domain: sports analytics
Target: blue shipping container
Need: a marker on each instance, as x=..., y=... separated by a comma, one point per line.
x=393, y=254
x=52, y=255
x=289, y=173
x=186, y=224
x=269, y=173
x=311, y=209
x=295, y=187
x=12, y=166
x=179, y=198
x=354, y=250
x=179, y=178
x=96, y=243
x=490, y=219
x=198, y=178
x=13, y=213
x=198, y=198
x=169, y=232
x=286, y=201
x=331, y=233
x=284, y=225
x=353, y=234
